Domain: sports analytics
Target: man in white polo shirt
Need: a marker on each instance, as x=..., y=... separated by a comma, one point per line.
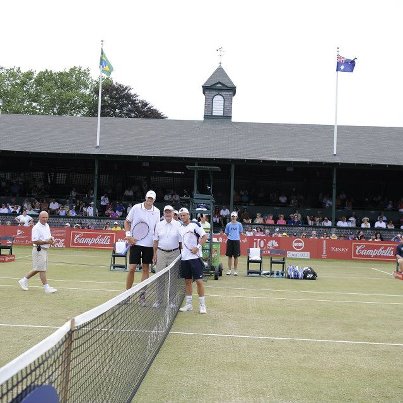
x=167, y=244
x=141, y=251
x=191, y=265
x=24, y=219
x=41, y=241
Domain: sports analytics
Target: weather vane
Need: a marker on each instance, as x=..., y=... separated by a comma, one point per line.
x=220, y=51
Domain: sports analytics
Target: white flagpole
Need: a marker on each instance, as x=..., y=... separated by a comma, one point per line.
x=335, y=119
x=99, y=101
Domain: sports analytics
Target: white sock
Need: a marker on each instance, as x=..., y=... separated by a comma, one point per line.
x=188, y=300
x=202, y=300
x=46, y=286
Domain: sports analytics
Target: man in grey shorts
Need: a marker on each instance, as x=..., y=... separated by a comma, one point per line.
x=41, y=241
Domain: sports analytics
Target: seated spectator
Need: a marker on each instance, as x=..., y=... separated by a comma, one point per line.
x=259, y=231
x=283, y=199
x=343, y=222
x=269, y=219
x=15, y=209
x=359, y=236
x=224, y=213
x=120, y=208
x=325, y=235
x=78, y=226
x=24, y=219
x=365, y=223
x=310, y=220
x=333, y=236
x=372, y=238
x=326, y=222
x=216, y=217
x=63, y=211
x=389, y=205
x=382, y=216
x=72, y=212
x=294, y=220
x=53, y=206
x=107, y=226
x=397, y=238
x=258, y=219
x=128, y=194
x=390, y=225
x=314, y=235
x=89, y=211
x=249, y=231
x=43, y=205
x=104, y=203
x=246, y=219
x=4, y=209
x=380, y=223
x=116, y=226
x=281, y=220
x=378, y=237
x=353, y=220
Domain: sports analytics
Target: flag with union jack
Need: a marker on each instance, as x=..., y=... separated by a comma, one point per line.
x=345, y=65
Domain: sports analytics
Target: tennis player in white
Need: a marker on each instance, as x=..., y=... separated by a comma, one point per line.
x=41, y=241
x=141, y=252
x=193, y=237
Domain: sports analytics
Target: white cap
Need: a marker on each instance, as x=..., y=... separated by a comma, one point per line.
x=176, y=212
x=115, y=223
x=168, y=207
x=234, y=214
x=152, y=194
x=183, y=210
x=67, y=224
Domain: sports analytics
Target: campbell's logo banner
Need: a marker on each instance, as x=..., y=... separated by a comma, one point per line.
x=92, y=239
x=374, y=250
x=61, y=237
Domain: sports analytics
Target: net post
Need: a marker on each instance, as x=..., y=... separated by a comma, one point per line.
x=67, y=363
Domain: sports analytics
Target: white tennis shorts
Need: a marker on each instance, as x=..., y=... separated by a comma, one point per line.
x=40, y=259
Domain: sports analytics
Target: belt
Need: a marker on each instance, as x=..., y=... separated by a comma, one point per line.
x=170, y=250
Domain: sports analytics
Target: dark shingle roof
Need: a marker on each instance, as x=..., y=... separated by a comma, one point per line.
x=208, y=139
x=219, y=76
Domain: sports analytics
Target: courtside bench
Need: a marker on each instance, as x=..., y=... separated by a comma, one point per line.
x=6, y=243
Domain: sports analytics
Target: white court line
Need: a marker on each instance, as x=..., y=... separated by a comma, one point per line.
x=238, y=336
x=306, y=299
x=68, y=288
x=29, y=326
x=305, y=291
x=75, y=281
x=381, y=271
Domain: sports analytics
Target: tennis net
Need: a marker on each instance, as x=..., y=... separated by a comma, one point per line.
x=103, y=354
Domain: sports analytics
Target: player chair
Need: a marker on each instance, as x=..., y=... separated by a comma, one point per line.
x=6, y=243
x=254, y=257
x=119, y=252
x=277, y=258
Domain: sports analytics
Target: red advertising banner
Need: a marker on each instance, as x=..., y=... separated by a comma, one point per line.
x=92, y=239
x=300, y=248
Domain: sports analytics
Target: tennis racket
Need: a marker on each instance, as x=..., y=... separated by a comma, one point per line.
x=190, y=240
x=139, y=232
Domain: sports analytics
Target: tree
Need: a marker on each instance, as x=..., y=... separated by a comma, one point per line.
x=119, y=100
x=68, y=92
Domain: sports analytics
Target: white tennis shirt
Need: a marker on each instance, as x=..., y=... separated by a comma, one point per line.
x=191, y=227
x=138, y=213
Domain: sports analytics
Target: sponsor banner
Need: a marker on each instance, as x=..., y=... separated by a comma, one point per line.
x=299, y=255
x=92, y=239
x=61, y=236
x=21, y=234
x=7, y=258
x=374, y=250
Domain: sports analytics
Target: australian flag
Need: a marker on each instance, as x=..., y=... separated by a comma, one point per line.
x=345, y=65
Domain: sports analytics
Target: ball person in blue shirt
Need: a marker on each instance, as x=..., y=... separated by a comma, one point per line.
x=233, y=231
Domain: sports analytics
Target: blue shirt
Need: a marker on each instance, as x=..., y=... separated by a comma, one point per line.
x=233, y=231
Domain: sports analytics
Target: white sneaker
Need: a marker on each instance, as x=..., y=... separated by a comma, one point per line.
x=50, y=290
x=186, y=308
x=23, y=284
x=156, y=304
x=228, y=272
x=203, y=309
x=235, y=273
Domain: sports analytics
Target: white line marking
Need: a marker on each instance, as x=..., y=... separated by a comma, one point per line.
x=381, y=271
x=75, y=281
x=306, y=299
x=305, y=291
x=29, y=326
x=236, y=336
x=68, y=288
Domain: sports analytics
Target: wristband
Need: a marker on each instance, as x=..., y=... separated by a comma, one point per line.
x=128, y=233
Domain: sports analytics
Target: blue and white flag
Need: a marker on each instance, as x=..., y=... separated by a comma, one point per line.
x=345, y=65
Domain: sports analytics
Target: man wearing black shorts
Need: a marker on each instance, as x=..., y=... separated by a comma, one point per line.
x=233, y=231
x=141, y=251
x=191, y=263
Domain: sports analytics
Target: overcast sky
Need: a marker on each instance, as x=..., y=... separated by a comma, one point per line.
x=280, y=54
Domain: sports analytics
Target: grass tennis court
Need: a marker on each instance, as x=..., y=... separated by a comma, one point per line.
x=339, y=338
